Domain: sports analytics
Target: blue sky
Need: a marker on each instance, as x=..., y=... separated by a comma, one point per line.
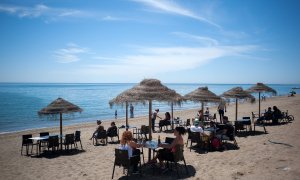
x=190, y=41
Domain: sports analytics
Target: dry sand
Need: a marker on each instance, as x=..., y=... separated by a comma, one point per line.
x=275, y=155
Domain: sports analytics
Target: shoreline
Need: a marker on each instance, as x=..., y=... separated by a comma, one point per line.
x=92, y=122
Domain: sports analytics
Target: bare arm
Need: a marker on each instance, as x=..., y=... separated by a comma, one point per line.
x=135, y=145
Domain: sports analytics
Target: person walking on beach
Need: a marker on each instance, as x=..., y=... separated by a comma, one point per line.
x=153, y=118
x=131, y=111
x=222, y=109
x=116, y=114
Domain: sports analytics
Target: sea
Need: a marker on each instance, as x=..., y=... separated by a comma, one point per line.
x=20, y=102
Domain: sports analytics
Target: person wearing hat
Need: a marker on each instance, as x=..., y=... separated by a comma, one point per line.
x=153, y=118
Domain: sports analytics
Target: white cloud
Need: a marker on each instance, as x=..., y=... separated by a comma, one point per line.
x=202, y=39
x=70, y=54
x=149, y=62
x=41, y=10
x=173, y=8
x=111, y=18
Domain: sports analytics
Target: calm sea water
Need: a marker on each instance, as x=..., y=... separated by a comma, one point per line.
x=20, y=102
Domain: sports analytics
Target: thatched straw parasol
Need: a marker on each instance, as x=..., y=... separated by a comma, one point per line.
x=60, y=106
x=258, y=88
x=237, y=93
x=202, y=94
x=147, y=90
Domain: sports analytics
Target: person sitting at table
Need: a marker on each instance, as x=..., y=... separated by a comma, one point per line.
x=128, y=144
x=165, y=121
x=98, y=129
x=167, y=153
x=196, y=127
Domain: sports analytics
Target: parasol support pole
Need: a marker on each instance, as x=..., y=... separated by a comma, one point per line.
x=236, y=108
x=126, y=116
x=259, y=104
x=60, y=118
x=172, y=114
x=150, y=127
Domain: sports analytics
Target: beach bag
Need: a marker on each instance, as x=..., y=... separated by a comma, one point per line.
x=216, y=143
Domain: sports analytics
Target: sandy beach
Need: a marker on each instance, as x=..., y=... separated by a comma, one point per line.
x=275, y=155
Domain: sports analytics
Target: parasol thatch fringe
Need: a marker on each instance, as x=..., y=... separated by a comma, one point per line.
x=148, y=89
x=59, y=106
x=260, y=87
x=202, y=94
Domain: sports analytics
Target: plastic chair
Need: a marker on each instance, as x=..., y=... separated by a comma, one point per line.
x=44, y=142
x=69, y=141
x=53, y=142
x=121, y=159
x=100, y=135
x=178, y=156
x=77, y=139
x=113, y=132
x=27, y=142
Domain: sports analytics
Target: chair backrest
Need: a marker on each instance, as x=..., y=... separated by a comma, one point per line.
x=53, y=141
x=69, y=139
x=102, y=134
x=112, y=131
x=189, y=133
x=77, y=136
x=169, y=140
x=121, y=158
x=44, y=134
x=188, y=122
x=195, y=137
x=178, y=154
x=26, y=140
x=145, y=129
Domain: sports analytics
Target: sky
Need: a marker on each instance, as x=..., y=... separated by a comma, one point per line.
x=125, y=41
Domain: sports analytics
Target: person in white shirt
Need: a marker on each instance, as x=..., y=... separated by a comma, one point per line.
x=196, y=127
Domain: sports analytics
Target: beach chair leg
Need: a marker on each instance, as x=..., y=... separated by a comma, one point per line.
x=81, y=145
x=176, y=166
x=186, y=169
x=112, y=176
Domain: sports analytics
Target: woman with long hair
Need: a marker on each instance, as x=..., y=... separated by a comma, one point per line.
x=128, y=144
x=167, y=153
